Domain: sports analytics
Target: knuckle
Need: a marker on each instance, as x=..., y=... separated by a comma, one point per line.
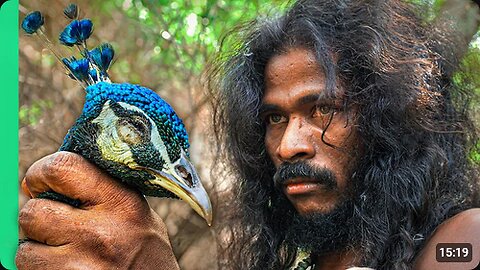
x=52, y=166
x=107, y=242
x=31, y=173
x=21, y=256
x=58, y=164
x=27, y=213
x=25, y=257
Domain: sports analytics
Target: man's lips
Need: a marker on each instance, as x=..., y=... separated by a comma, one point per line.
x=301, y=186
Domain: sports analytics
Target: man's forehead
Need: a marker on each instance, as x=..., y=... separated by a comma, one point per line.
x=291, y=101
x=295, y=78
x=280, y=66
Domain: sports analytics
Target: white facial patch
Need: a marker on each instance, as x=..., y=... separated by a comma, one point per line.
x=110, y=144
x=113, y=148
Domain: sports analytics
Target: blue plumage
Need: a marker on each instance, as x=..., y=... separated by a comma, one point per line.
x=125, y=129
x=93, y=74
x=32, y=22
x=102, y=56
x=79, y=69
x=172, y=129
x=71, y=11
x=77, y=32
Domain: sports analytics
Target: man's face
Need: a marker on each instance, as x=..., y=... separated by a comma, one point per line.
x=297, y=115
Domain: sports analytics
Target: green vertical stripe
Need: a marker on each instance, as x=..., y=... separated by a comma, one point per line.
x=9, y=132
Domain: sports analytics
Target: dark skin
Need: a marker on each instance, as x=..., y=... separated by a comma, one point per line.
x=115, y=227
x=299, y=113
x=295, y=124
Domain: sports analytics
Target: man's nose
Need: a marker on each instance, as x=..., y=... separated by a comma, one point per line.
x=296, y=142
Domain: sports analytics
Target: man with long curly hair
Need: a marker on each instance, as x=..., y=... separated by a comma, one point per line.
x=347, y=140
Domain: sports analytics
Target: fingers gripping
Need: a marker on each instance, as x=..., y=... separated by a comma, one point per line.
x=49, y=222
x=72, y=176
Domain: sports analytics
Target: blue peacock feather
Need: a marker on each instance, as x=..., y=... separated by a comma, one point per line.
x=93, y=74
x=125, y=129
x=77, y=32
x=102, y=56
x=32, y=22
x=71, y=11
x=79, y=69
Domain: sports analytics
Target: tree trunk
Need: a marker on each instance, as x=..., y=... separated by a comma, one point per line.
x=464, y=17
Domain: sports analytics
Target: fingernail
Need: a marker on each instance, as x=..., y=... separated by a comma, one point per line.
x=25, y=189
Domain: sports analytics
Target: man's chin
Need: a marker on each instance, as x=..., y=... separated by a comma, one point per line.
x=306, y=207
x=322, y=230
x=310, y=212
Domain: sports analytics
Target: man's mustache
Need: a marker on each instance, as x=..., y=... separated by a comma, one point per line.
x=288, y=171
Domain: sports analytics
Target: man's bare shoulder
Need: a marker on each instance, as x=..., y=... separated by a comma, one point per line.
x=461, y=228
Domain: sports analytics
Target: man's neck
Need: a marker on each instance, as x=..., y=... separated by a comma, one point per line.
x=335, y=261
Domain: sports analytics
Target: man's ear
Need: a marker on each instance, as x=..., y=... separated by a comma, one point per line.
x=461, y=228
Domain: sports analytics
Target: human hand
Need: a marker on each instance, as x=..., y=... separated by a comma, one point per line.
x=114, y=227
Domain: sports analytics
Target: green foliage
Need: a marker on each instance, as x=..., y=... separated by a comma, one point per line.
x=469, y=73
x=31, y=114
x=467, y=78
x=166, y=45
x=475, y=154
x=183, y=34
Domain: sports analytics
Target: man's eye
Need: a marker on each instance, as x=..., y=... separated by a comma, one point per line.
x=274, y=119
x=322, y=110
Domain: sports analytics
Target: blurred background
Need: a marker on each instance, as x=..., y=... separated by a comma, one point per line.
x=163, y=45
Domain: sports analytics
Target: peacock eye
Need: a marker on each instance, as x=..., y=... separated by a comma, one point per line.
x=131, y=131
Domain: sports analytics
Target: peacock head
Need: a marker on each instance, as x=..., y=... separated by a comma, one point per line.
x=126, y=129
x=133, y=134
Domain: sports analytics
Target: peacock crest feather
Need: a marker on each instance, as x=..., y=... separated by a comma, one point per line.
x=125, y=129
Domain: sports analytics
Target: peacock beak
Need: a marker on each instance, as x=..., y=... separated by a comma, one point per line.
x=182, y=180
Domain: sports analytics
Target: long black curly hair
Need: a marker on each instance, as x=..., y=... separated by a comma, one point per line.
x=414, y=124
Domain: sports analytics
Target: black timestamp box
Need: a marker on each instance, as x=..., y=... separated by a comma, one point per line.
x=454, y=252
